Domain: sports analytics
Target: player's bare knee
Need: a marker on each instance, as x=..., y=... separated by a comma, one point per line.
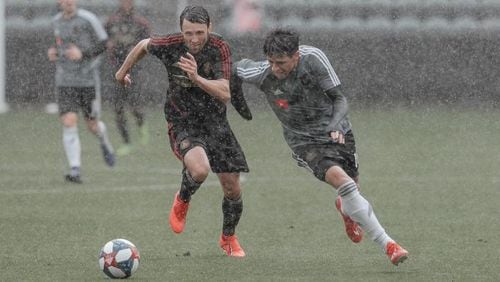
x=231, y=192
x=69, y=119
x=230, y=185
x=92, y=125
x=336, y=176
x=199, y=172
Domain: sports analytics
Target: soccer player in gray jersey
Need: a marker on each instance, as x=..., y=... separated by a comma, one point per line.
x=304, y=92
x=79, y=39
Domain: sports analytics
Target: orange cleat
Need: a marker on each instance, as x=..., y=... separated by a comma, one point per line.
x=231, y=246
x=353, y=230
x=396, y=253
x=178, y=214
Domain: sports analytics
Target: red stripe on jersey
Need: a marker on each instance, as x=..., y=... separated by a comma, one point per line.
x=225, y=54
x=166, y=40
x=173, y=143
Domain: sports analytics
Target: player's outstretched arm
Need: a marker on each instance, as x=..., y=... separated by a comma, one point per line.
x=340, y=108
x=237, y=97
x=137, y=53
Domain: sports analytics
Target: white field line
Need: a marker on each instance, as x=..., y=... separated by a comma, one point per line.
x=77, y=188
x=6, y=168
x=213, y=182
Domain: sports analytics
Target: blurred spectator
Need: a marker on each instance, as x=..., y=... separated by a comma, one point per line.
x=246, y=16
x=125, y=29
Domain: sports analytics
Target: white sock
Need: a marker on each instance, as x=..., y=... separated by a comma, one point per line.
x=71, y=142
x=102, y=134
x=359, y=210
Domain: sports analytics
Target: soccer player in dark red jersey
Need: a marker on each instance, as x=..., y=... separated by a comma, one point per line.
x=199, y=68
x=304, y=92
x=125, y=29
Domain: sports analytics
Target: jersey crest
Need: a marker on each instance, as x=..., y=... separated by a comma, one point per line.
x=278, y=92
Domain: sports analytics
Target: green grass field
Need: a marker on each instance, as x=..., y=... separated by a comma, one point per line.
x=432, y=177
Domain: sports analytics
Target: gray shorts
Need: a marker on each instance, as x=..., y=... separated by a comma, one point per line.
x=318, y=158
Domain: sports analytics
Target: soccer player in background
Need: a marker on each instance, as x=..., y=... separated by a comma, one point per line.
x=79, y=40
x=198, y=64
x=125, y=29
x=304, y=92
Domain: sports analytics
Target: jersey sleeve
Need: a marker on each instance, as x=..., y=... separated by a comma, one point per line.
x=96, y=25
x=249, y=71
x=109, y=24
x=321, y=68
x=95, y=43
x=223, y=67
x=158, y=46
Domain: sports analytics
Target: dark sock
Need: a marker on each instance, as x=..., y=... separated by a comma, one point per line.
x=188, y=186
x=231, y=210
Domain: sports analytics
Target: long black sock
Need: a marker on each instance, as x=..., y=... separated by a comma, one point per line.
x=188, y=186
x=121, y=123
x=231, y=210
x=139, y=117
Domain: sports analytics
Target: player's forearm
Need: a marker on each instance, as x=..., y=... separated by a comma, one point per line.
x=340, y=108
x=218, y=89
x=137, y=53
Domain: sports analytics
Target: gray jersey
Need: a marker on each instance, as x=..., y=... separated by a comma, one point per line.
x=85, y=31
x=299, y=101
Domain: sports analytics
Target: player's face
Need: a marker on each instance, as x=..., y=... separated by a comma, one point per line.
x=127, y=5
x=283, y=65
x=67, y=6
x=195, y=35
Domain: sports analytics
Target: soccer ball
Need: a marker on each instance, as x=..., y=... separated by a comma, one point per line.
x=119, y=258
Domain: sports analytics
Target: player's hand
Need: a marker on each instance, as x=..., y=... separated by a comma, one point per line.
x=188, y=64
x=110, y=45
x=123, y=78
x=73, y=53
x=52, y=54
x=337, y=137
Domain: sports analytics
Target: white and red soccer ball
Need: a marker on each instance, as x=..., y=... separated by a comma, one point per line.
x=119, y=258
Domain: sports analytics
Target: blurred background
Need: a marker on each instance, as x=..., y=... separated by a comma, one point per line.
x=387, y=53
x=421, y=78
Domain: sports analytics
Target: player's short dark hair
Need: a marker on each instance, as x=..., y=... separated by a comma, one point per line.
x=280, y=42
x=195, y=14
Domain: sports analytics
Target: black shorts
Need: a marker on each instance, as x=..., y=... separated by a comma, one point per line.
x=223, y=150
x=318, y=158
x=74, y=99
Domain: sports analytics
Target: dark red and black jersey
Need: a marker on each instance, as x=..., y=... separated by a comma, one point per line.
x=186, y=101
x=125, y=31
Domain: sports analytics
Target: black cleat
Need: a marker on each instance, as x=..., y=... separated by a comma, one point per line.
x=73, y=178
